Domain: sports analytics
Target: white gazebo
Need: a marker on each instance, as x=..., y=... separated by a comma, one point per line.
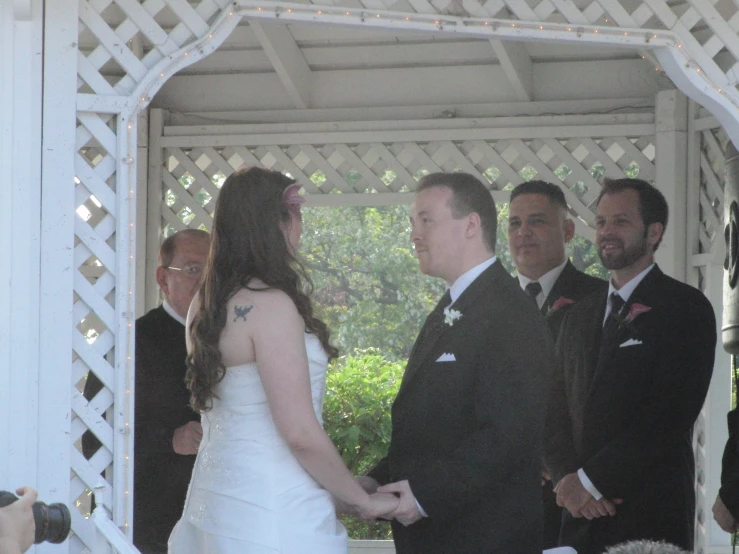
x=121, y=116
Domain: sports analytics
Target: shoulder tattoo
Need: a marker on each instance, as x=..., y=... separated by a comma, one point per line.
x=241, y=311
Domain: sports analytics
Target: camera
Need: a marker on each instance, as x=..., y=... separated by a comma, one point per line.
x=53, y=521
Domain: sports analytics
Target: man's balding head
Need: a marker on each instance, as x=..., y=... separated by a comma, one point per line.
x=182, y=258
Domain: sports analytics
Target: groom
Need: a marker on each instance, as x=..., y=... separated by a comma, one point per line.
x=464, y=455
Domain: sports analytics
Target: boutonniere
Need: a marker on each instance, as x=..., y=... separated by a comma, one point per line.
x=450, y=316
x=560, y=303
x=627, y=321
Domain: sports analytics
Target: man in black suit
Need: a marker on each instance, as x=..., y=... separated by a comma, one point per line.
x=166, y=431
x=538, y=232
x=464, y=456
x=633, y=368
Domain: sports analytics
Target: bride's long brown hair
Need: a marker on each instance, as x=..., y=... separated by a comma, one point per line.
x=247, y=243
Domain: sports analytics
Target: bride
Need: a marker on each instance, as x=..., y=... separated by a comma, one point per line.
x=266, y=471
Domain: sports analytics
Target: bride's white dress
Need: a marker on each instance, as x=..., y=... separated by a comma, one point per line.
x=248, y=493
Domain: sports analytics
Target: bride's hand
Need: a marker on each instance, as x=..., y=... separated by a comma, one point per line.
x=380, y=505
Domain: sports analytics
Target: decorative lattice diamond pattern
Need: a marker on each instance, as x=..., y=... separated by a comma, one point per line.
x=94, y=310
x=712, y=148
x=192, y=176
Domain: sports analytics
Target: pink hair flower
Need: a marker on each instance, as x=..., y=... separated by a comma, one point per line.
x=292, y=199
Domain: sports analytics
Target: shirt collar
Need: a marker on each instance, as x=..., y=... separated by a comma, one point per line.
x=170, y=310
x=466, y=279
x=627, y=290
x=546, y=281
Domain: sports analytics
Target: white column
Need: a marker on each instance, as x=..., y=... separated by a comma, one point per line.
x=154, y=205
x=671, y=172
x=20, y=190
x=57, y=253
x=718, y=403
x=142, y=160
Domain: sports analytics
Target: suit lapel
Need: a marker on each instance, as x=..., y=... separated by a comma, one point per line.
x=436, y=330
x=592, y=331
x=561, y=287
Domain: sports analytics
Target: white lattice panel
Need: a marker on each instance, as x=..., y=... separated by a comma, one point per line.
x=94, y=311
x=712, y=153
x=192, y=176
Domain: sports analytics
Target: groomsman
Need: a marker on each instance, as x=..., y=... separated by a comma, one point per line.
x=538, y=232
x=464, y=456
x=633, y=368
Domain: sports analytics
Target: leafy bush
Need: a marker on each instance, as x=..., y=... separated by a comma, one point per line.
x=359, y=393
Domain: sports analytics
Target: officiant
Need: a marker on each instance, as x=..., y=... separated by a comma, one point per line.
x=167, y=431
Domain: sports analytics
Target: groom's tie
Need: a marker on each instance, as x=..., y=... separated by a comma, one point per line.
x=437, y=315
x=443, y=302
x=433, y=320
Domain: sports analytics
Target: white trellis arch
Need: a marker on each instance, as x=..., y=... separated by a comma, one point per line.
x=695, y=43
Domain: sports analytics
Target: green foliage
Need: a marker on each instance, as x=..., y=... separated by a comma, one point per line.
x=359, y=393
x=367, y=285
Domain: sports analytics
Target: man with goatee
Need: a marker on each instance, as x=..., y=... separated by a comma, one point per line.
x=633, y=368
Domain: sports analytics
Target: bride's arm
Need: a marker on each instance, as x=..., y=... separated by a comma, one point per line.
x=277, y=332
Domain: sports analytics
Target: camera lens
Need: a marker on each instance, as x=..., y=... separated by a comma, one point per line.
x=53, y=522
x=7, y=498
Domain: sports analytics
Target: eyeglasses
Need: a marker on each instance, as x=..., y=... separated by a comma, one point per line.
x=191, y=271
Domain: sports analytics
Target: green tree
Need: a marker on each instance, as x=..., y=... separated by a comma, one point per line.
x=367, y=285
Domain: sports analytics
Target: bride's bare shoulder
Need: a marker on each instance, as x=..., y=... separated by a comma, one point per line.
x=260, y=298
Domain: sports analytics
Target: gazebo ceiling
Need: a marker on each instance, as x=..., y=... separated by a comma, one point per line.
x=267, y=65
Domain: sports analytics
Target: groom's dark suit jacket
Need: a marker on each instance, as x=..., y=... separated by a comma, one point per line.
x=624, y=413
x=466, y=434
x=573, y=285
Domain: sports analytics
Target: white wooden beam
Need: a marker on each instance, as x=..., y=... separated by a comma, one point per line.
x=516, y=62
x=287, y=60
x=671, y=177
x=57, y=251
x=352, y=137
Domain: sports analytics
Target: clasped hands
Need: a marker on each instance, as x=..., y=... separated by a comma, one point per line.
x=391, y=501
x=572, y=495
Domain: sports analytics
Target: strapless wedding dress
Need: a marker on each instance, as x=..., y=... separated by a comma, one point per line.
x=248, y=493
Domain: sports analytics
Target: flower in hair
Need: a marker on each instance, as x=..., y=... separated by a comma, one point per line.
x=292, y=199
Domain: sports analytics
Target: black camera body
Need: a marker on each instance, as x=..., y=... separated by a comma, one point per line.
x=53, y=521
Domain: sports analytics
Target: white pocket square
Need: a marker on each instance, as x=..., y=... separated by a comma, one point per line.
x=446, y=357
x=630, y=342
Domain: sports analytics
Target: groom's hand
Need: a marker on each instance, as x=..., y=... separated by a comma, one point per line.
x=407, y=511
